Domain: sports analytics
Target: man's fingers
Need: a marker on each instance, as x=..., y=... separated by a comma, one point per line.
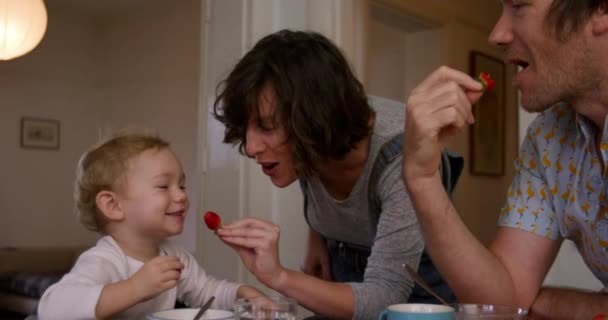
x=451, y=120
x=446, y=74
x=474, y=96
x=456, y=100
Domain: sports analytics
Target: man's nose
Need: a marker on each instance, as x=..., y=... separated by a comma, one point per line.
x=502, y=34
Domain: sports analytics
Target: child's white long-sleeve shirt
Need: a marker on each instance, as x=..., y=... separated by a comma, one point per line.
x=75, y=296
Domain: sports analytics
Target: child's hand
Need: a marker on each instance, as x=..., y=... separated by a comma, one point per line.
x=156, y=276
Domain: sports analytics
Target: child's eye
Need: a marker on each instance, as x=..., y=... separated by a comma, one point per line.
x=182, y=187
x=163, y=187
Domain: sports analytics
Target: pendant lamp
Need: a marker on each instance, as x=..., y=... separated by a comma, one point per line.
x=22, y=25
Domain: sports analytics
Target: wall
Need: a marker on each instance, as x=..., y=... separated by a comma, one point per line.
x=465, y=26
x=222, y=190
x=96, y=74
x=57, y=80
x=402, y=51
x=388, y=50
x=153, y=55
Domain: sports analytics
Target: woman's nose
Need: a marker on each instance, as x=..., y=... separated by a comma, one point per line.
x=253, y=142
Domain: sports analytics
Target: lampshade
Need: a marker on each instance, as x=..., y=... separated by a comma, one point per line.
x=22, y=25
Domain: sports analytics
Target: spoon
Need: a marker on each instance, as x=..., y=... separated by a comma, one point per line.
x=418, y=279
x=204, y=308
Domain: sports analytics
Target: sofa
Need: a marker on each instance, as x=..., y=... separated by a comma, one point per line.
x=25, y=273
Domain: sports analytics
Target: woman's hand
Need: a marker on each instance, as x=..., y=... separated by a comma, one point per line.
x=316, y=260
x=438, y=108
x=257, y=243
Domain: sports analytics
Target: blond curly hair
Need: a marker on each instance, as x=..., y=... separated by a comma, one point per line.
x=103, y=167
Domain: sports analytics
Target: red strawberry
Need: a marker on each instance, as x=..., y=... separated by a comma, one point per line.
x=600, y=317
x=213, y=220
x=486, y=80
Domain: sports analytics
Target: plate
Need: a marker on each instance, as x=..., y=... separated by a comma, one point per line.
x=188, y=314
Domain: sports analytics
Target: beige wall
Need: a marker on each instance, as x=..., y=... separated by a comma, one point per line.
x=96, y=74
x=57, y=80
x=402, y=51
x=466, y=25
x=154, y=62
x=386, y=70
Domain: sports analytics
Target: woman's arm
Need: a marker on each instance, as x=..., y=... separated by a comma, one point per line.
x=398, y=241
x=316, y=259
x=256, y=242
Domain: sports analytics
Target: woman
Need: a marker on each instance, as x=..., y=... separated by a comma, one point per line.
x=294, y=105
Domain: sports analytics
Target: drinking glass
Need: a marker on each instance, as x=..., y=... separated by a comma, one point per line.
x=488, y=312
x=265, y=308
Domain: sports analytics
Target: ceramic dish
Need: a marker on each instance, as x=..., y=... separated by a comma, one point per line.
x=188, y=314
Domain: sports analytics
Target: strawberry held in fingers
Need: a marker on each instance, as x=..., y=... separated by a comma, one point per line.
x=213, y=220
x=486, y=80
x=600, y=317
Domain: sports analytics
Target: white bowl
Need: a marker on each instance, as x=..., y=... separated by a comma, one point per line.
x=188, y=314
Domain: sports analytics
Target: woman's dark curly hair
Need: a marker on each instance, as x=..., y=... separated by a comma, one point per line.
x=568, y=16
x=318, y=101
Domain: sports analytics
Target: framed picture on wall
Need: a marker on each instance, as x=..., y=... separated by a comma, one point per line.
x=487, y=134
x=38, y=133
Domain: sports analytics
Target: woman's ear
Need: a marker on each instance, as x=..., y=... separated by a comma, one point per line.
x=108, y=204
x=599, y=22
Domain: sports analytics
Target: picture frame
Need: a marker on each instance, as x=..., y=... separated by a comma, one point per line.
x=487, y=134
x=40, y=133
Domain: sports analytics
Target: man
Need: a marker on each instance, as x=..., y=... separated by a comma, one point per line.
x=559, y=190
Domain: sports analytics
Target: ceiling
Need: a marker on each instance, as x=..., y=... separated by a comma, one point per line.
x=103, y=8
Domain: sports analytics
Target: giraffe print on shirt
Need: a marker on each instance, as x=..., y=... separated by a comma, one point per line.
x=559, y=190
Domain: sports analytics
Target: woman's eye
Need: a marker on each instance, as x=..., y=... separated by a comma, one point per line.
x=516, y=5
x=267, y=129
x=163, y=187
x=182, y=187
